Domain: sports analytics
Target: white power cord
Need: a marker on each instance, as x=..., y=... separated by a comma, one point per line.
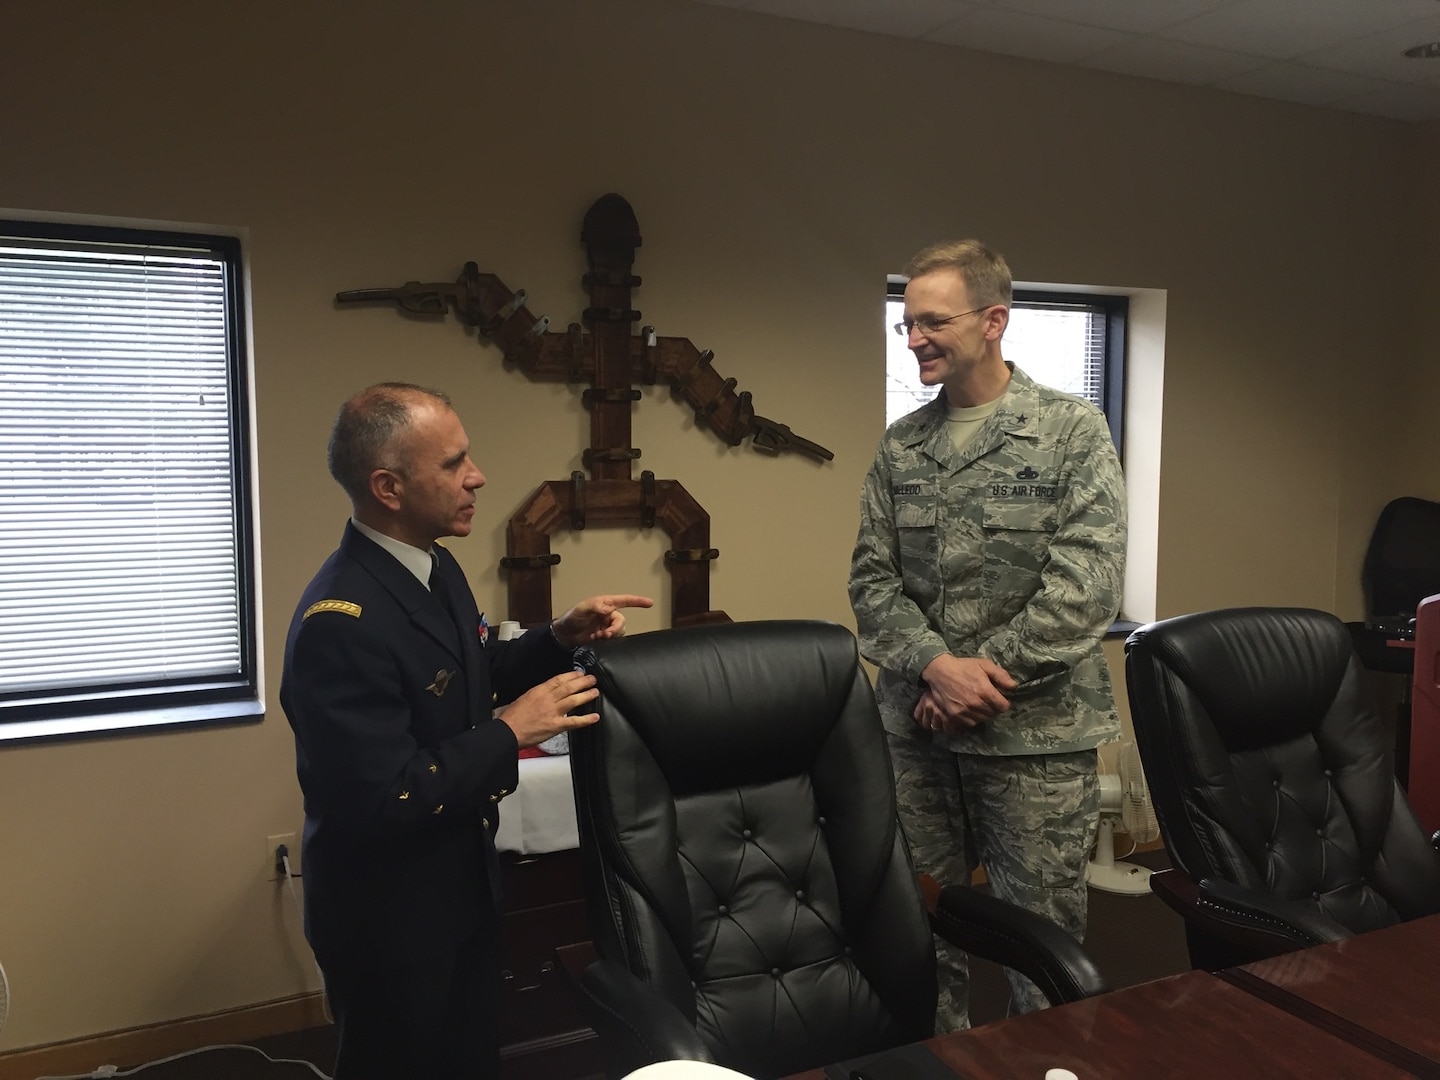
x=111, y=1070
x=4, y=997
x=104, y=1071
x=299, y=910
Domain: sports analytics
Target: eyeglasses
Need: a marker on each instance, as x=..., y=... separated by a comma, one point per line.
x=927, y=325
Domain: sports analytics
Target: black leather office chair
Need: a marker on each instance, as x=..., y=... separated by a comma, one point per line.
x=1401, y=568
x=751, y=898
x=1273, y=782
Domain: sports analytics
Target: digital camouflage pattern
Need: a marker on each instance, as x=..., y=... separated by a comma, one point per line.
x=1041, y=813
x=1012, y=549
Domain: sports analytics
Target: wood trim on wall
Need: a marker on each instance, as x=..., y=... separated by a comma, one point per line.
x=136, y=1046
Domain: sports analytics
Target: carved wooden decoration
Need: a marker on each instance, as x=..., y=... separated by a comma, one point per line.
x=611, y=359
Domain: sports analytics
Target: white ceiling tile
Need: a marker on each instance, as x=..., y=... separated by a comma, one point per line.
x=1420, y=73
x=1017, y=34
x=1280, y=28
x=1287, y=81
x=1241, y=45
x=899, y=18
x=1132, y=16
x=1173, y=61
x=1395, y=12
x=1381, y=54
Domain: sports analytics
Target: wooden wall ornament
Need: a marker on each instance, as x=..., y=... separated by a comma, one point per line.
x=611, y=359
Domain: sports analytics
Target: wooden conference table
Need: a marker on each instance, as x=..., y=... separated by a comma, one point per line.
x=1368, y=1007
x=1380, y=991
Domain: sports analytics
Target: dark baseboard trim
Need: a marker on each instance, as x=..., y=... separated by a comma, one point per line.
x=135, y=1046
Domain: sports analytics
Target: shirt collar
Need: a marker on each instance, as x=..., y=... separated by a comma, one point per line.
x=415, y=560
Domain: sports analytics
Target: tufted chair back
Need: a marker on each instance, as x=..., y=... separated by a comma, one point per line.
x=1270, y=769
x=741, y=853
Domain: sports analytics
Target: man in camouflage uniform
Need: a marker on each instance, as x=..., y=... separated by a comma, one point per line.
x=988, y=567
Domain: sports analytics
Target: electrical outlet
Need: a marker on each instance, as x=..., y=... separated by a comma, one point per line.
x=273, y=870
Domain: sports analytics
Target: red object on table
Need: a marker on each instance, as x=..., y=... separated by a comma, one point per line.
x=1424, y=776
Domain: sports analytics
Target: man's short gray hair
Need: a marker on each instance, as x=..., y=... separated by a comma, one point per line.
x=363, y=437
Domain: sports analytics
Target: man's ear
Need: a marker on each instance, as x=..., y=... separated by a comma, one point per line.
x=996, y=320
x=386, y=488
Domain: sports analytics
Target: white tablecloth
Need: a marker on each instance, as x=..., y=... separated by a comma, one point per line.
x=539, y=815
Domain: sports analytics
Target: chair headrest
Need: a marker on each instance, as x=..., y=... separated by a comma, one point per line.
x=1264, y=675
x=723, y=704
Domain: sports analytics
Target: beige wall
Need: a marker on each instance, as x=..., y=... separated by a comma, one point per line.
x=1410, y=395
x=779, y=171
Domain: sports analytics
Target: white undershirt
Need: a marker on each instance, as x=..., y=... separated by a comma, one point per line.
x=963, y=423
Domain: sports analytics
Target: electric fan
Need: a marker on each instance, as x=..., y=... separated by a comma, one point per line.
x=1124, y=799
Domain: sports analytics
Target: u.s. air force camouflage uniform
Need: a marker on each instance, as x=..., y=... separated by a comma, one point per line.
x=1013, y=550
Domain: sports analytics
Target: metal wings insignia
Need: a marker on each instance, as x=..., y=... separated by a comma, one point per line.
x=442, y=680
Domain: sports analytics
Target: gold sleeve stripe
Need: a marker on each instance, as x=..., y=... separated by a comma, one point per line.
x=344, y=606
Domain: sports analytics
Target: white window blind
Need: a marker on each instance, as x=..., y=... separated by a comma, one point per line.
x=121, y=570
x=1061, y=347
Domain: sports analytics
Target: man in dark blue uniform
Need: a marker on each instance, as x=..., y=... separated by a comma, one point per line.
x=390, y=682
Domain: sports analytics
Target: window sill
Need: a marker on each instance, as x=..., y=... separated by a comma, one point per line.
x=122, y=722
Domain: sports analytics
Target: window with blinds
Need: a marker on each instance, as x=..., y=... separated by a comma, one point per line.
x=1073, y=342
x=126, y=583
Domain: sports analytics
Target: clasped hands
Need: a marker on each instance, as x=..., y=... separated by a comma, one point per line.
x=546, y=710
x=962, y=692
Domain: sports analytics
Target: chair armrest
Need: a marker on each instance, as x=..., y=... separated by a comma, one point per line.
x=1177, y=889
x=574, y=959
x=999, y=931
x=1255, y=923
x=636, y=1025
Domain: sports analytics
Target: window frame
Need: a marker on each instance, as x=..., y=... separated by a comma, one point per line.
x=127, y=705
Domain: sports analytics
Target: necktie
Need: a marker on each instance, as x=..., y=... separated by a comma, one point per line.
x=437, y=587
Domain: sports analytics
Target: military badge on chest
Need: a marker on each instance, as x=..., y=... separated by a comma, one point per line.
x=442, y=680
